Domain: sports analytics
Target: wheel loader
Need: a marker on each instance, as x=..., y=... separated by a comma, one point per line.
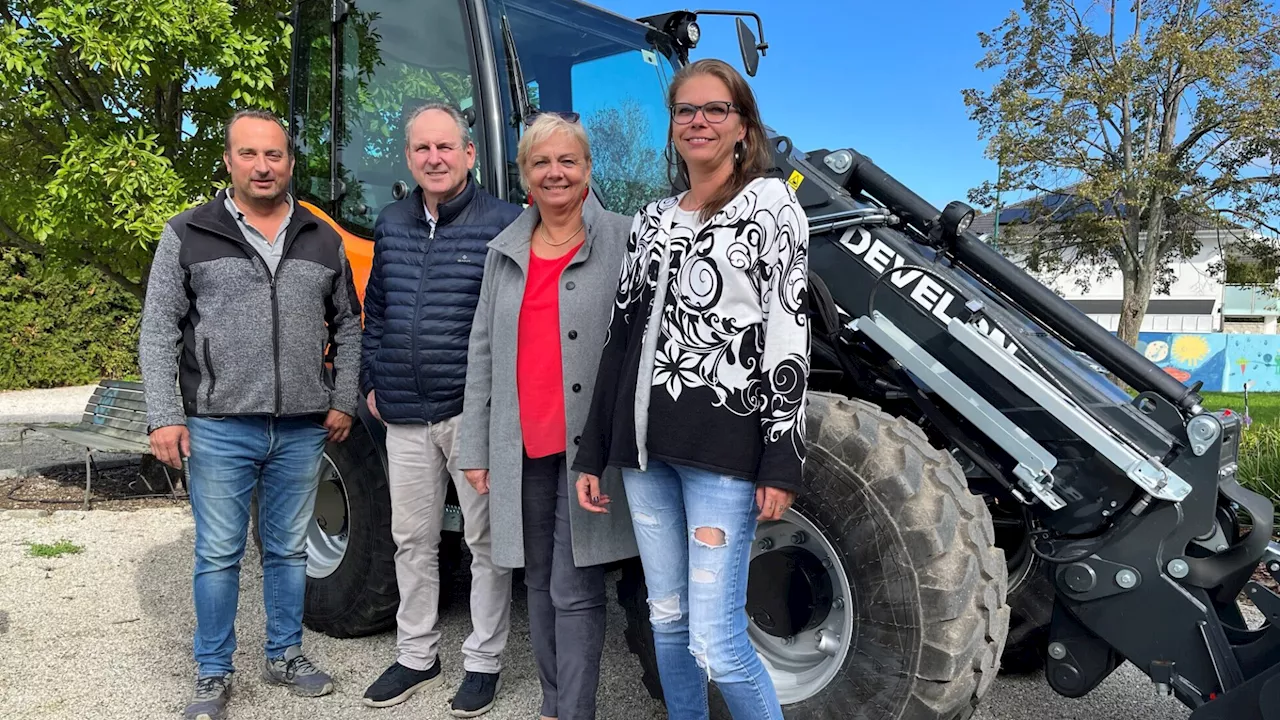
x=976, y=496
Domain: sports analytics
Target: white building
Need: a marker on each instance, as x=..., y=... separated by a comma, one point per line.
x=1196, y=301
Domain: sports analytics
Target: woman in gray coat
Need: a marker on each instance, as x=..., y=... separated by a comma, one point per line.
x=549, y=282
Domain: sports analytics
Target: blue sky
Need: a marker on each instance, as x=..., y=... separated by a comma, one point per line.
x=884, y=78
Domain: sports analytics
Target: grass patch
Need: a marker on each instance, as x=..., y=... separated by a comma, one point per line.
x=1259, y=442
x=1264, y=408
x=58, y=549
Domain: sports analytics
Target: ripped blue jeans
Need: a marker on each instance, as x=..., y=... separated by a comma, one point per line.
x=698, y=587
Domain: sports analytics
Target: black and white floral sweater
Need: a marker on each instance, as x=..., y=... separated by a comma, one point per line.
x=724, y=353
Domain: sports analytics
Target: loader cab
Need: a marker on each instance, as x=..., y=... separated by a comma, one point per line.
x=359, y=66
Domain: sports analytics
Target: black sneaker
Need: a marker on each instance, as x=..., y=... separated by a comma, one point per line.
x=398, y=682
x=476, y=695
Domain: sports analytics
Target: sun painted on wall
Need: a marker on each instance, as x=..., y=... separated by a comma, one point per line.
x=1187, y=358
x=1223, y=362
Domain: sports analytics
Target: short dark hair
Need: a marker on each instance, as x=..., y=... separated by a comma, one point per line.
x=259, y=115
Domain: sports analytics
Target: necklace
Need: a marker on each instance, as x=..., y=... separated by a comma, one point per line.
x=547, y=235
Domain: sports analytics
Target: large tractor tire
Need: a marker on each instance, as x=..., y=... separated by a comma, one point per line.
x=896, y=589
x=1031, y=593
x=1031, y=609
x=351, y=574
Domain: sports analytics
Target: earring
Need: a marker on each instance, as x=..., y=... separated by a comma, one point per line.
x=738, y=147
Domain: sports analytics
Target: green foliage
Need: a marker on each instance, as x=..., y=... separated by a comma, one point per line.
x=58, y=549
x=63, y=325
x=1238, y=271
x=1157, y=118
x=1260, y=461
x=111, y=117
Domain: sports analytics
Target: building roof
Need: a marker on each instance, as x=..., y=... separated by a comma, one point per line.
x=1064, y=204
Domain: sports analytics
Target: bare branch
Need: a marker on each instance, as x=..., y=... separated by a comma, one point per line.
x=1251, y=218
x=1221, y=185
x=1111, y=35
x=1194, y=137
x=13, y=240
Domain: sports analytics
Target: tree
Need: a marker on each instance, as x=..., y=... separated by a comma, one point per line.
x=627, y=168
x=1147, y=120
x=111, y=117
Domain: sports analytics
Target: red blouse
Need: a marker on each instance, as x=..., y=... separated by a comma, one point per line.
x=539, y=370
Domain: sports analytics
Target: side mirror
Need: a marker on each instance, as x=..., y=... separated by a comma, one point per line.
x=750, y=51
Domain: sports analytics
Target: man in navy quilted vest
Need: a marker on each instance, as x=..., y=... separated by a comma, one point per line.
x=428, y=262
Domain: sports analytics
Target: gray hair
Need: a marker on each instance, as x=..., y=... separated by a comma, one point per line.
x=257, y=115
x=543, y=127
x=464, y=127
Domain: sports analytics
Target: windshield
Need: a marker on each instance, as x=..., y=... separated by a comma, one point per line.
x=311, y=96
x=610, y=70
x=393, y=55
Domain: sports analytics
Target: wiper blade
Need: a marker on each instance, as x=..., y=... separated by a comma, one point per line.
x=519, y=91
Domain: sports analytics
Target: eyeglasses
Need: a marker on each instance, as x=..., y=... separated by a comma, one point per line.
x=567, y=116
x=715, y=111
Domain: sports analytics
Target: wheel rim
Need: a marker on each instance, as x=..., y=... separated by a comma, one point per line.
x=802, y=665
x=327, y=532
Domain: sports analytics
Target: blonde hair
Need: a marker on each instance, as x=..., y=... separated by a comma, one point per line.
x=544, y=127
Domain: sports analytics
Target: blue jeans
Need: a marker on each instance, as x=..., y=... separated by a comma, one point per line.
x=698, y=589
x=229, y=457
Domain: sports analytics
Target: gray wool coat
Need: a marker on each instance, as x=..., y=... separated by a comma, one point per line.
x=490, y=426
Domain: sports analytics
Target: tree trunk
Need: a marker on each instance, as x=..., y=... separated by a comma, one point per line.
x=1133, y=306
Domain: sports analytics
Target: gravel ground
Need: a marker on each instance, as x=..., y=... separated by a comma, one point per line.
x=106, y=633
x=45, y=406
x=32, y=407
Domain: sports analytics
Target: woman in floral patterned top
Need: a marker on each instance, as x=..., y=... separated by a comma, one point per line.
x=700, y=398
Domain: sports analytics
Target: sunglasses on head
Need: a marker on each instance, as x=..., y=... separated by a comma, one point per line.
x=568, y=116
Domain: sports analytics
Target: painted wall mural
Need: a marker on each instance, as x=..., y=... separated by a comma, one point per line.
x=1253, y=358
x=1188, y=358
x=1223, y=362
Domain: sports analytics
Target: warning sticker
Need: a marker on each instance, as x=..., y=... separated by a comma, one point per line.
x=795, y=179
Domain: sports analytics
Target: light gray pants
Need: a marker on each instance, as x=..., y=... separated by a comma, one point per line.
x=421, y=460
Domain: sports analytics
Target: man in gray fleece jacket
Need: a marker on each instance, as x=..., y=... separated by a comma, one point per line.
x=249, y=295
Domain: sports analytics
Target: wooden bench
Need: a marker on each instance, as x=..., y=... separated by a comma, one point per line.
x=114, y=421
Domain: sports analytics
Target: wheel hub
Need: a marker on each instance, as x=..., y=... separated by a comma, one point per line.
x=327, y=532
x=799, y=606
x=789, y=592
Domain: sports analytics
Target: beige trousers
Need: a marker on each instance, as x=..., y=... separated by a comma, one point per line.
x=421, y=461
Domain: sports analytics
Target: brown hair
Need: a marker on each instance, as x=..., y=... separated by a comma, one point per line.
x=752, y=159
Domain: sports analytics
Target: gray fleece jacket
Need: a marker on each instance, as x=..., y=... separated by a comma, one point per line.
x=221, y=335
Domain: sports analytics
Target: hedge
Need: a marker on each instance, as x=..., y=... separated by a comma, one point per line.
x=63, y=326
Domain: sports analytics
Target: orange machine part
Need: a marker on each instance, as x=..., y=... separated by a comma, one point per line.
x=359, y=251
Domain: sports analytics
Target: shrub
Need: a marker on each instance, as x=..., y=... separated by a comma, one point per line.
x=1260, y=460
x=63, y=326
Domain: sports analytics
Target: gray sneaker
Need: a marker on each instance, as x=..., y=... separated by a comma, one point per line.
x=210, y=699
x=298, y=673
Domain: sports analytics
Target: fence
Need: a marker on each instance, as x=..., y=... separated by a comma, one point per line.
x=1222, y=361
